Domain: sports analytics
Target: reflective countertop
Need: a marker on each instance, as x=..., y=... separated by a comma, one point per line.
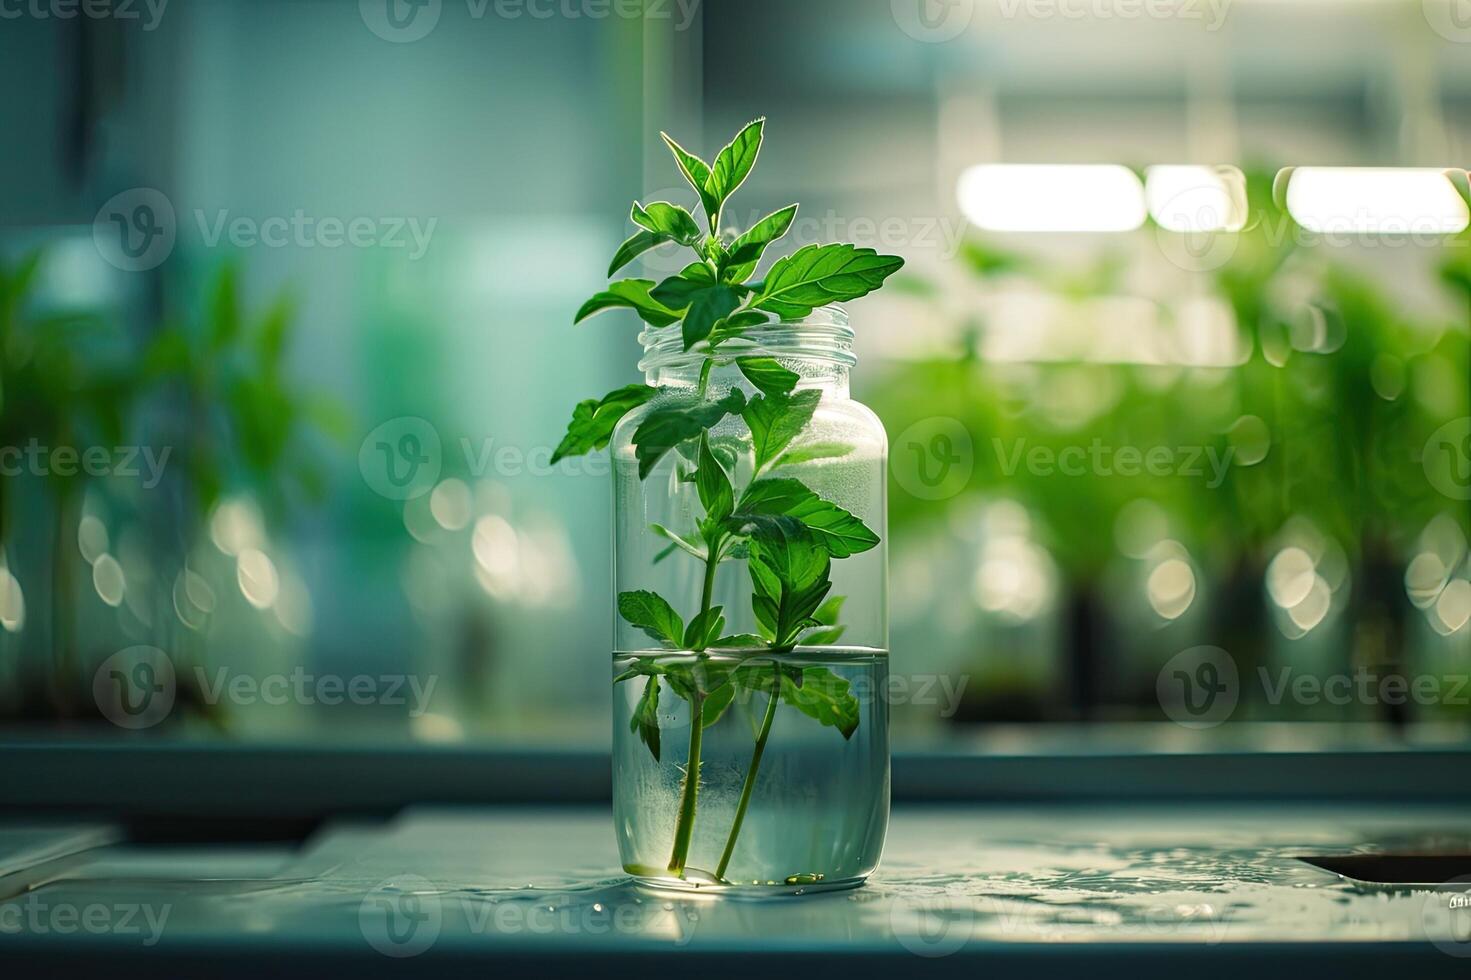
x=1122, y=888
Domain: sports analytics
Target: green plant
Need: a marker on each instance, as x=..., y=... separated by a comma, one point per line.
x=62, y=383
x=788, y=534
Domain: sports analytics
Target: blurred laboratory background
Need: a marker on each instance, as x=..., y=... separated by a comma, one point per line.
x=1159, y=383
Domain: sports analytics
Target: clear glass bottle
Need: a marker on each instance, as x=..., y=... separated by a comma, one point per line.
x=784, y=799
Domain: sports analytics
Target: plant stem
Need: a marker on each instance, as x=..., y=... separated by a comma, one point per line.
x=705, y=368
x=712, y=562
x=740, y=814
x=684, y=824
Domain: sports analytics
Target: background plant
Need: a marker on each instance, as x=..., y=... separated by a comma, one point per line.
x=209, y=394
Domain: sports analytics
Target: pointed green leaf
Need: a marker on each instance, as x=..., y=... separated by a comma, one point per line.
x=677, y=292
x=813, y=451
x=667, y=219
x=838, y=531
x=827, y=613
x=676, y=541
x=775, y=420
x=717, y=496
x=816, y=275
x=635, y=246
x=593, y=420
x=697, y=172
x=747, y=249
x=733, y=164
x=825, y=696
x=789, y=572
x=767, y=374
x=704, y=628
x=826, y=617
x=737, y=324
x=645, y=720
x=716, y=704
x=669, y=425
x=785, y=548
x=651, y=613
x=706, y=308
x=738, y=641
x=632, y=294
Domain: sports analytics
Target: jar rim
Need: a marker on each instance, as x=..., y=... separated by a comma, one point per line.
x=822, y=335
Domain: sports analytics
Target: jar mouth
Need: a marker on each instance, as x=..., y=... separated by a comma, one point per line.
x=822, y=335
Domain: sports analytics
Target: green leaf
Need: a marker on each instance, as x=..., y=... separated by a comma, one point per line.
x=707, y=307
x=738, y=641
x=697, y=172
x=669, y=425
x=703, y=301
x=697, y=678
x=789, y=572
x=827, y=618
x=640, y=668
x=632, y=294
x=747, y=249
x=758, y=674
x=677, y=292
x=224, y=308
x=645, y=720
x=635, y=246
x=652, y=614
x=736, y=325
x=728, y=450
x=684, y=544
x=775, y=420
x=716, y=704
x=593, y=420
x=698, y=272
x=813, y=451
x=823, y=695
x=837, y=530
x=274, y=330
x=767, y=374
x=667, y=219
x=816, y=275
x=717, y=496
x=732, y=165
x=827, y=613
x=704, y=628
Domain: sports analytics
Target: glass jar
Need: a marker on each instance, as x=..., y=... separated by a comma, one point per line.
x=782, y=783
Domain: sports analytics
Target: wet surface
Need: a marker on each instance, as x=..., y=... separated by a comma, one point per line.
x=952, y=879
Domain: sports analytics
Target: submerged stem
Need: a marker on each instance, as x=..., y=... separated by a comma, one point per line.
x=746, y=787
x=684, y=825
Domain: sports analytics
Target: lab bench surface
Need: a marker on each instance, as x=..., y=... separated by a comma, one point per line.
x=1141, y=889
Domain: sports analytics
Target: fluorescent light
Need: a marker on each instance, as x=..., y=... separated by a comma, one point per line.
x=1375, y=200
x=1051, y=197
x=1194, y=198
